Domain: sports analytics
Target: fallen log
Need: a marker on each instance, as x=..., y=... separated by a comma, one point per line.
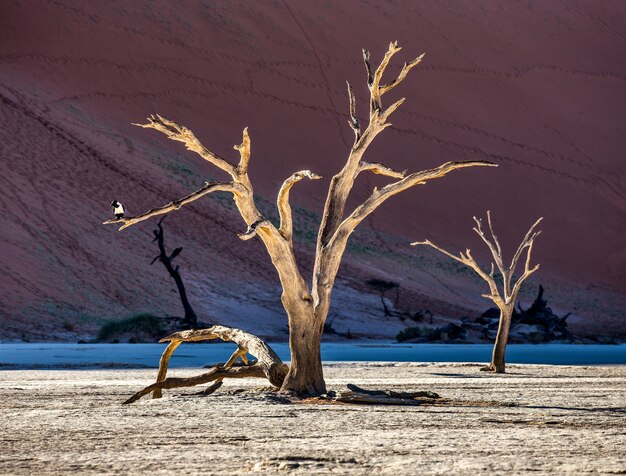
x=393, y=393
x=358, y=395
x=267, y=364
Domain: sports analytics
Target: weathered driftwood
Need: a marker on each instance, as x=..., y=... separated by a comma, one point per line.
x=307, y=307
x=268, y=364
x=504, y=299
x=360, y=395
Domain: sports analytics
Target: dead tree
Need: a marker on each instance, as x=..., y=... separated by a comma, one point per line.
x=191, y=319
x=307, y=306
x=383, y=287
x=505, y=298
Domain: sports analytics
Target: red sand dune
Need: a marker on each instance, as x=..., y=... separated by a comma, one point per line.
x=538, y=88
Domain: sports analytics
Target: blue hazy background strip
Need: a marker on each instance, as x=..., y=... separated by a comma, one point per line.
x=47, y=355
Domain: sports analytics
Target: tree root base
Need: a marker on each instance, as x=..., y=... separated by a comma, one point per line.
x=491, y=368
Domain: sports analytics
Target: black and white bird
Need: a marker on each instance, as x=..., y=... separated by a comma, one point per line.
x=118, y=209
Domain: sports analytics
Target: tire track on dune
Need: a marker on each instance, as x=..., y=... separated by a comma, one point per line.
x=65, y=136
x=597, y=20
x=516, y=73
x=176, y=91
x=326, y=111
x=136, y=95
x=247, y=91
x=593, y=183
x=448, y=143
x=322, y=71
x=238, y=90
x=133, y=31
x=480, y=152
x=126, y=67
x=485, y=133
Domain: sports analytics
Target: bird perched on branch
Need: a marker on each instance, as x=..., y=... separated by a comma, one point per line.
x=118, y=209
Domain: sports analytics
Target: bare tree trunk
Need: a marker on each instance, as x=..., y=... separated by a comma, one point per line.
x=190, y=316
x=305, y=374
x=497, y=359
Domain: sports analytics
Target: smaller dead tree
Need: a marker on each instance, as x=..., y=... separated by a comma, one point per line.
x=191, y=319
x=505, y=298
x=383, y=287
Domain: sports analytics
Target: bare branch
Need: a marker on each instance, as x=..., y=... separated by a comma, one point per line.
x=403, y=74
x=527, y=269
x=461, y=259
x=390, y=110
x=163, y=363
x=375, y=89
x=279, y=249
x=180, y=133
x=378, y=197
x=342, y=183
x=468, y=260
x=495, y=295
x=380, y=169
x=495, y=238
x=329, y=253
x=497, y=256
x=284, y=208
x=244, y=152
x=528, y=239
x=354, y=120
x=216, y=373
x=209, y=187
x=368, y=67
x=508, y=296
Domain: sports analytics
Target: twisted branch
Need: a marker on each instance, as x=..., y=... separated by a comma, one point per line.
x=268, y=363
x=354, y=120
x=180, y=133
x=284, y=207
x=380, y=169
x=378, y=197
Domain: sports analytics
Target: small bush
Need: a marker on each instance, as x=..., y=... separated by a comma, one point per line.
x=412, y=333
x=143, y=324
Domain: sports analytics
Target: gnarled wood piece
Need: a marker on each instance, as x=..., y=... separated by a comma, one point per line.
x=268, y=363
x=360, y=395
x=393, y=393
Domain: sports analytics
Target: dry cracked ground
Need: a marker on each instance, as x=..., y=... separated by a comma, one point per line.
x=539, y=419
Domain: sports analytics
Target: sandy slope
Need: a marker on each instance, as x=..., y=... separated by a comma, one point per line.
x=538, y=88
x=536, y=419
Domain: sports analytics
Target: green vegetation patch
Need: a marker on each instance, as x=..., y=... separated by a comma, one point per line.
x=139, y=327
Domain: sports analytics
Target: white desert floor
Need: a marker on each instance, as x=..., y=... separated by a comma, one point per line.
x=535, y=419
